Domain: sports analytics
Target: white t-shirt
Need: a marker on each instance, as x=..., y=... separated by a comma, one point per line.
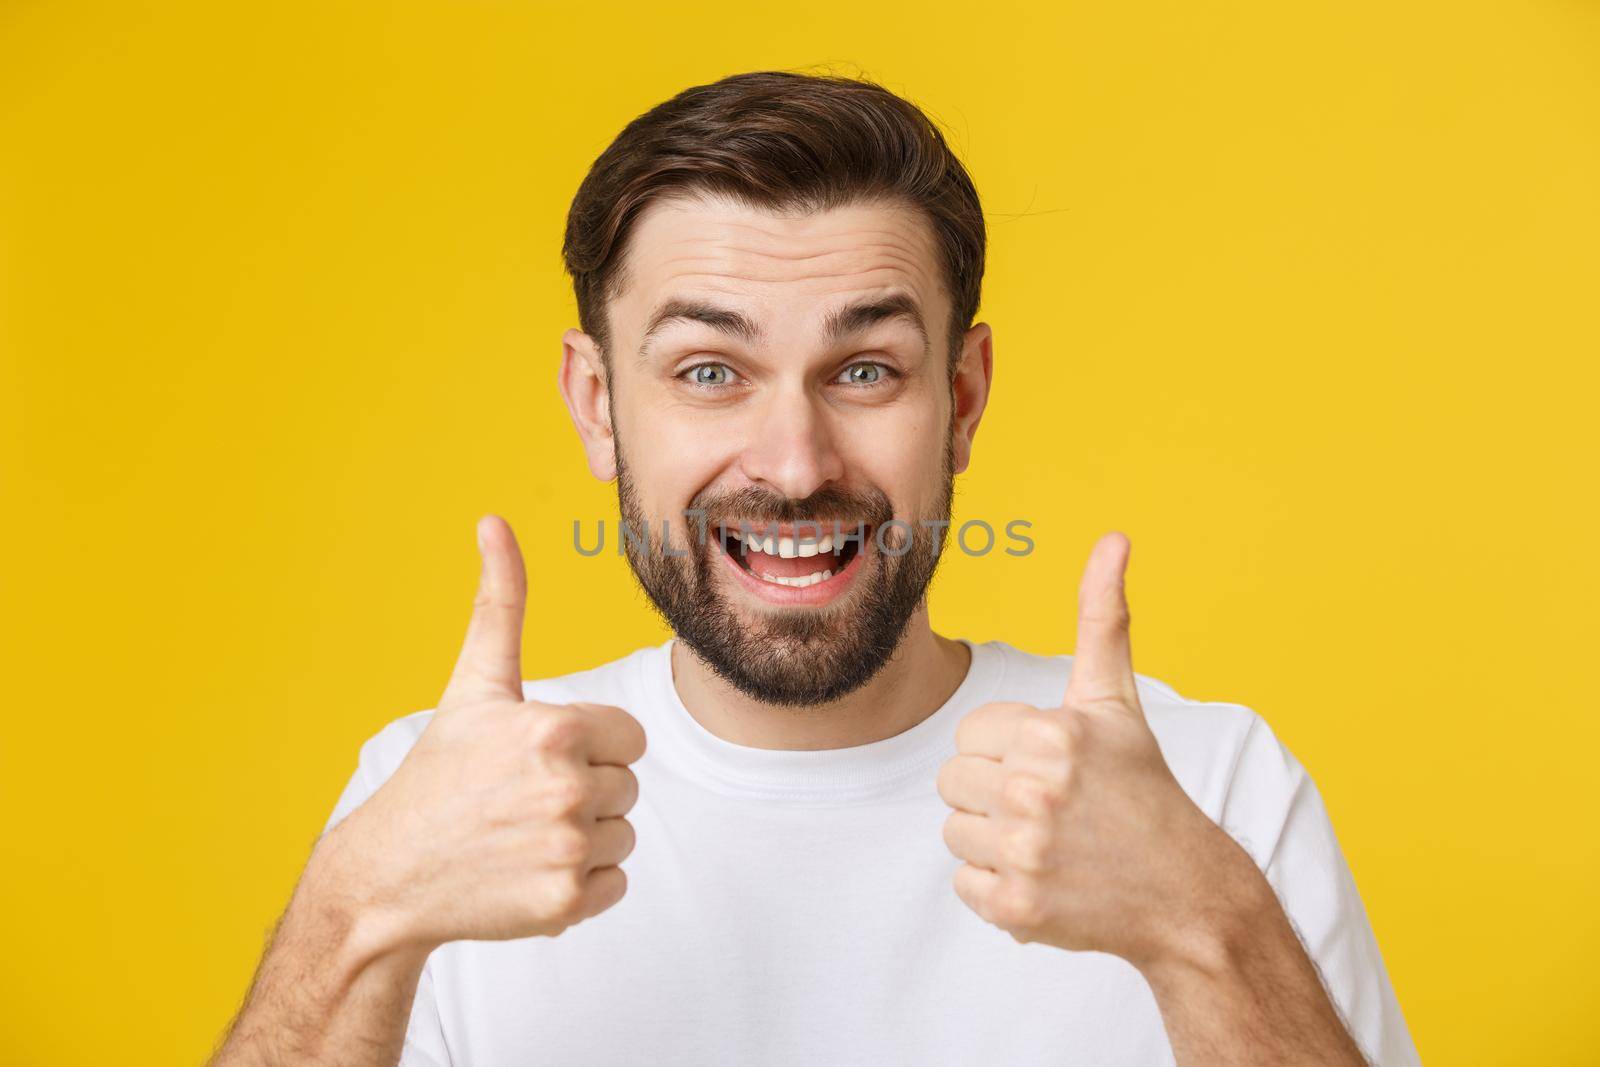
x=796, y=907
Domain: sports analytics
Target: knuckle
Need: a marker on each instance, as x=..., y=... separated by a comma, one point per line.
x=562, y=795
x=1017, y=904
x=1047, y=732
x=493, y=607
x=556, y=730
x=1021, y=793
x=567, y=846
x=563, y=895
x=1026, y=847
x=1077, y=725
x=1114, y=616
x=1031, y=796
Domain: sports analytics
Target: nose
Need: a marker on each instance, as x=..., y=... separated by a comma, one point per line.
x=791, y=446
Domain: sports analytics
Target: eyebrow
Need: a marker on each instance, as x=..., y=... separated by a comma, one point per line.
x=841, y=323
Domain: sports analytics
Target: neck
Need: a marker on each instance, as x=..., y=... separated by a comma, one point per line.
x=920, y=676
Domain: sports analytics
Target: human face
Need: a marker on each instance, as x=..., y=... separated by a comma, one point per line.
x=743, y=386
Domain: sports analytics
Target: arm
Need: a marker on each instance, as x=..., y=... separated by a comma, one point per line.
x=1076, y=834
x=504, y=820
x=1241, y=988
x=327, y=991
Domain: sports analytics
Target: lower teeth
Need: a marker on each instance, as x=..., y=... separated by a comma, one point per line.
x=797, y=583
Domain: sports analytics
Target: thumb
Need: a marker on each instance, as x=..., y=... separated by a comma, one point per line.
x=1102, y=667
x=490, y=664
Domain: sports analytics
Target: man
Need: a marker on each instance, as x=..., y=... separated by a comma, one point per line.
x=851, y=840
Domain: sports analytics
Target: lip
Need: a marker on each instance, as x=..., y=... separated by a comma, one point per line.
x=817, y=595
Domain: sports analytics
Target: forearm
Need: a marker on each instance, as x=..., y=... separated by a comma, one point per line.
x=328, y=990
x=1243, y=990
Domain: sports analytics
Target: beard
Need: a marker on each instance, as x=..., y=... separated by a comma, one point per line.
x=790, y=656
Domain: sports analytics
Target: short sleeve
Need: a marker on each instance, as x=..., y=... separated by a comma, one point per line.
x=1274, y=810
x=356, y=791
x=382, y=753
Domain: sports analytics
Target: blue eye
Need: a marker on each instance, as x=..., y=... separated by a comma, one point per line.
x=709, y=374
x=864, y=373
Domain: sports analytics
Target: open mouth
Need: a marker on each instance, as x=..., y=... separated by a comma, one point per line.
x=798, y=556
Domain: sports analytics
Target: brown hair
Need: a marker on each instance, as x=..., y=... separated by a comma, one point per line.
x=776, y=140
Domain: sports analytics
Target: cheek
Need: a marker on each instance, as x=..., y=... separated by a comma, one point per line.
x=904, y=457
x=671, y=459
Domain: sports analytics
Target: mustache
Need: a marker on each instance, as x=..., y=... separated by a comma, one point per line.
x=828, y=504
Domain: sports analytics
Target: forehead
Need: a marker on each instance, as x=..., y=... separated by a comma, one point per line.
x=707, y=245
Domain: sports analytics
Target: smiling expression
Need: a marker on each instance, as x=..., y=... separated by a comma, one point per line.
x=790, y=377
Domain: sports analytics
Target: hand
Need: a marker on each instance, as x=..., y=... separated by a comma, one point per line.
x=1074, y=831
x=505, y=818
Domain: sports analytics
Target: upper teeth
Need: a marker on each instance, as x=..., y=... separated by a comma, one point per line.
x=789, y=547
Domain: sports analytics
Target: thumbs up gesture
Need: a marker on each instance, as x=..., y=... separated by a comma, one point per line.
x=1074, y=831
x=505, y=819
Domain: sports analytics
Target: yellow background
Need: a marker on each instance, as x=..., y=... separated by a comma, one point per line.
x=1302, y=296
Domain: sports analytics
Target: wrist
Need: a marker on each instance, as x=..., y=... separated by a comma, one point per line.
x=1237, y=977
x=339, y=900
x=1228, y=911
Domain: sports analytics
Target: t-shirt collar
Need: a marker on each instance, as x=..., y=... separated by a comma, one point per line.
x=838, y=775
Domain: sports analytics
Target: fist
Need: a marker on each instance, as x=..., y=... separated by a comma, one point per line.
x=505, y=819
x=1073, y=830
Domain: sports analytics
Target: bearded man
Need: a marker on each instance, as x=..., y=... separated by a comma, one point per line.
x=851, y=840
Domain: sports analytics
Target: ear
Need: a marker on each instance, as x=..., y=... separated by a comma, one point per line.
x=970, y=390
x=584, y=387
